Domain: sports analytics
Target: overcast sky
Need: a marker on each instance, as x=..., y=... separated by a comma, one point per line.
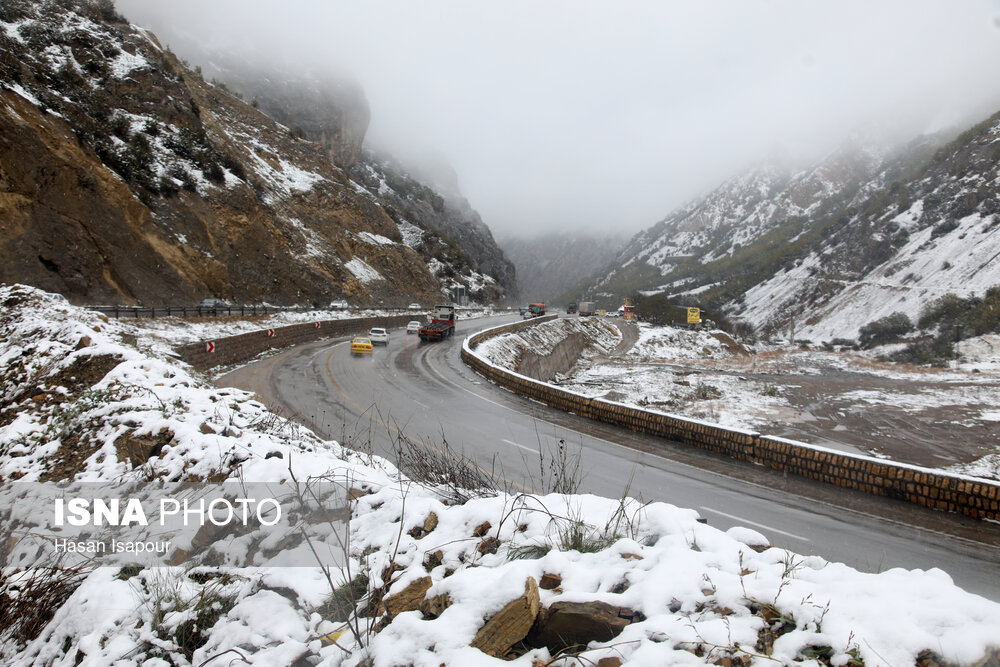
x=599, y=115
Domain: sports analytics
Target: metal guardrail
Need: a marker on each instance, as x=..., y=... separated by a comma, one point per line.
x=140, y=312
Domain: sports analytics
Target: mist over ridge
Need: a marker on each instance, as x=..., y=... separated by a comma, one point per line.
x=596, y=116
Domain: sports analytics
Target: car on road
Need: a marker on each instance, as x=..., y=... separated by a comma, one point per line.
x=378, y=336
x=413, y=327
x=361, y=345
x=213, y=303
x=338, y=304
x=414, y=306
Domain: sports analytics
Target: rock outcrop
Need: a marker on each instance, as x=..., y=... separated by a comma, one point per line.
x=127, y=178
x=457, y=234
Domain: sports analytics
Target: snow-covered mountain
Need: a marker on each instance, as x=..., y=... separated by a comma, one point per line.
x=861, y=234
x=127, y=177
x=908, y=243
x=747, y=207
x=452, y=235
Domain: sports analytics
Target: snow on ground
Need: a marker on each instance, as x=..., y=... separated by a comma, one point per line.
x=375, y=239
x=931, y=265
x=716, y=397
x=413, y=236
x=668, y=343
x=125, y=63
x=697, y=595
x=363, y=271
x=507, y=349
x=704, y=375
x=981, y=353
x=653, y=373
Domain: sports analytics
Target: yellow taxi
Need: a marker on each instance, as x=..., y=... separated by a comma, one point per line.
x=361, y=345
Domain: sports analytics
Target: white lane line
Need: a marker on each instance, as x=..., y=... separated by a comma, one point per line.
x=425, y=407
x=533, y=451
x=754, y=523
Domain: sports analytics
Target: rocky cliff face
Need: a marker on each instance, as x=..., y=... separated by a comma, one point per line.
x=457, y=233
x=319, y=106
x=125, y=177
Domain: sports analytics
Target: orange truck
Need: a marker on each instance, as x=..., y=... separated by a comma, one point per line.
x=536, y=309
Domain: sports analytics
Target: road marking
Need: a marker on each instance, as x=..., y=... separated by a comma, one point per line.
x=510, y=442
x=569, y=429
x=425, y=407
x=754, y=523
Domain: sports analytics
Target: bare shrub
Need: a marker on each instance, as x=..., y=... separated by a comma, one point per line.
x=30, y=598
x=559, y=470
x=182, y=617
x=450, y=474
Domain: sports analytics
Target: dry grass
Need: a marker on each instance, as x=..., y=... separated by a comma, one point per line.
x=30, y=598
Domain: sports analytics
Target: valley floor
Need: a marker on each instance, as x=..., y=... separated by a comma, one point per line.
x=940, y=418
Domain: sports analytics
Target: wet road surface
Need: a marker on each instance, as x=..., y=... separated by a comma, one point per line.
x=424, y=392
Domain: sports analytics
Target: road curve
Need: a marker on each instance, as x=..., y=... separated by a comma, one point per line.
x=424, y=391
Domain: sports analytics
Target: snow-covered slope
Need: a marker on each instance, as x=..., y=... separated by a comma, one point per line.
x=748, y=207
x=863, y=234
x=908, y=244
x=445, y=566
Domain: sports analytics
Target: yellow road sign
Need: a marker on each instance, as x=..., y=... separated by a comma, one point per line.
x=694, y=315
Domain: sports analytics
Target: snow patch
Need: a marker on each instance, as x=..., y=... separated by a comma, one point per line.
x=363, y=271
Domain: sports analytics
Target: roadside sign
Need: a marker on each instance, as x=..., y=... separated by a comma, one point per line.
x=270, y=333
x=694, y=315
x=317, y=325
x=210, y=346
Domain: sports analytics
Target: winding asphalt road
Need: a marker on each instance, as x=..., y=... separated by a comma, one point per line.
x=424, y=392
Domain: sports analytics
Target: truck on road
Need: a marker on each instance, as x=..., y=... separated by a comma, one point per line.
x=536, y=309
x=585, y=308
x=442, y=324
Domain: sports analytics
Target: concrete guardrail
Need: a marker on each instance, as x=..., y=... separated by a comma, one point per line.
x=926, y=487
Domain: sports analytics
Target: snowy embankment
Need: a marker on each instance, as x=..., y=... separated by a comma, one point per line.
x=436, y=571
x=509, y=349
x=641, y=377
x=665, y=371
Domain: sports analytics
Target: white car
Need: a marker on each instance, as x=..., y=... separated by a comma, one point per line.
x=338, y=304
x=379, y=336
x=413, y=327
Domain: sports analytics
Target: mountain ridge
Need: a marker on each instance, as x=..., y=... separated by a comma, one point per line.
x=773, y=247
x=148, y=185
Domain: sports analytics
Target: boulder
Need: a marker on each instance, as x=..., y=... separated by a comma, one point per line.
x=511, y=624
x=567, y=624
x=435, y=606
x=409, y=598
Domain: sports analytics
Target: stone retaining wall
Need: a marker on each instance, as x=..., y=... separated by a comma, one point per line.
x=923, y=486
x=561, y=359
x=234, y=349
